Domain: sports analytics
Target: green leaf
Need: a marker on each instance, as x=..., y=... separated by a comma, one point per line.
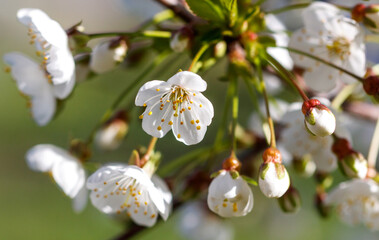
x=249, y=180
x=206, y=9
x=231, y=10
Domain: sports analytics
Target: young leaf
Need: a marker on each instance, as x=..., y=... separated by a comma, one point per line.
x=249, y=180
x=231, y=10
x=206, y=9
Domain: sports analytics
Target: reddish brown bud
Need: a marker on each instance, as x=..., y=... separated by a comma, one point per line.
x=371, y=85
x=358, y=12
x=80, y=150
x=231, y=163
x=341, y=148
x=272, y=155
x=308, y=105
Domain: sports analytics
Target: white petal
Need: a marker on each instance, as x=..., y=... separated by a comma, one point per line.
x=80, y=200
x=152, y=119
x=60, y=65
x=49, y=29
x=140, y=218
x=229, y=197
x=322, y=78
x=62, y=90
x=350, y=189
x=306, y=42
x=318, y=15
x=193, y=129
x=42, y=157
x=325, y=161
x=43, y=106
x=188, y=80
x=105, y=173
x=166, y=193
x=69, y=175
x=149, y=93
x=271, y=186
x=28, y=74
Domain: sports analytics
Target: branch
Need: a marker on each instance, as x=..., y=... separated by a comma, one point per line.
x=362, y=109
x=179, y=10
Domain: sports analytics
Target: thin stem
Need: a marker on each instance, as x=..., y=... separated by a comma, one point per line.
x=158, y=18
x=299, y=6
x=343, y=95
x=267, y=105
x=146, y=33
x=235, y=102
x=199, y=154
x=197, y=56
x=324, y=62
x=151, y=146
x=108, y=113
x=289, y=8
x=287, y=75
x=374, y=147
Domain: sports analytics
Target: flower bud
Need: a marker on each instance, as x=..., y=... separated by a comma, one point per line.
x=219, y=49
x=304, y=166
x=181, y=39
x=371, y=82
x=273, y=176
x=231, y=164
x=322, y=209
x=369, y=15
x=319, y=120
x=229, y=197
x=106, y=55
x=354, y=165
x=110, y=136
x=290, y=202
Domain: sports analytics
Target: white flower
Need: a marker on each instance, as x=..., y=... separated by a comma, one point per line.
x=33, y=84
x=298, y=142
x=51, y=42
x=106, y=55
x=66, y=170
x=196, y=222
x=178, y=105
x=357, y=201
x=230, y=197
x=55, y=78
x=274, y=180
x=332, y=37
x=119, y=187
x=281, y=38
x=319, y=120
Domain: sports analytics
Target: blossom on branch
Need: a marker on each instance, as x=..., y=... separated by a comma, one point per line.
x=66, y=170
x=116, y=188
x=333, y=38
x=177, y=104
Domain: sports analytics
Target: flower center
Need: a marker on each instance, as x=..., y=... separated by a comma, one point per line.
x=340, y=47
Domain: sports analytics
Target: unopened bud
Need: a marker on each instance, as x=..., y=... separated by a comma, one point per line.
x=325, y=180
x=322, y=209
x=231, y=164
x=354, y=165
x=181, y=39
x=305, y=167
x=371, y=82
x=273, y=176
x=107, y=55
x=368, y=15
x=220, y=49
x=80, y=150
x=110, y=136
x=319, y=120
x=290, y=202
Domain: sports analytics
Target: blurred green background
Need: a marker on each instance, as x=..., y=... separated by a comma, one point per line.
x=32, y=207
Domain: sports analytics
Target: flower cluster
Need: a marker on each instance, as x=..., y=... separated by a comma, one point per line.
x=324, y=62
